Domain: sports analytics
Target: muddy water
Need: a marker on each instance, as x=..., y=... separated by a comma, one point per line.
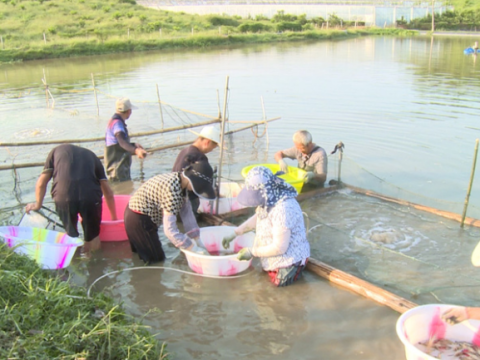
x=407, y=112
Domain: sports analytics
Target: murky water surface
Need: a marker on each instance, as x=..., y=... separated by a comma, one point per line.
x=407, y=112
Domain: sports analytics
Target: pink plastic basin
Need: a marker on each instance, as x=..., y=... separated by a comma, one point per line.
x=114, y=230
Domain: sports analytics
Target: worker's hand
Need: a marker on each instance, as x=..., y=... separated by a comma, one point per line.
x=228, y=239
x=197, y=249
x=33, y=206
x=244, y=254
x=309, y=175
x=283, y=165
x=140, y=152
x=455, y=315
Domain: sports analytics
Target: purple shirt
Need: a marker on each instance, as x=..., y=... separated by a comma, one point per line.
x=115, y=125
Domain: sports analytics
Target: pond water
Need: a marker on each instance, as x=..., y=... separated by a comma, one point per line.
x=406, y=110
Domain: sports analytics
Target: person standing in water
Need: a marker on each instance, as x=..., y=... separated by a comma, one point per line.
x=79, y=181
x=118, y=148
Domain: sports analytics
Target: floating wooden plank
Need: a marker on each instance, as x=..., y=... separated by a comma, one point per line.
x=359, y=286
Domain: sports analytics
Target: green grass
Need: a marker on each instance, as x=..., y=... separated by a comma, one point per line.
x=60, y=28
x=43, y=317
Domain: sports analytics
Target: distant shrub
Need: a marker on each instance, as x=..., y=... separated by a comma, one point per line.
x=216, y=20
x=132, y=2
x=52, y=30
x=261, y=18
x=280, y=16
x=253, y=27
x=288, y=26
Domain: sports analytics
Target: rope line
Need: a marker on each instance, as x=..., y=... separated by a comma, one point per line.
x=163, y=268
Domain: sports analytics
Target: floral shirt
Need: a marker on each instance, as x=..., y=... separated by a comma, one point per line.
x=286, y=214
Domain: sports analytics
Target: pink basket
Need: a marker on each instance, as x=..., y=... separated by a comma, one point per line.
x=114, y=230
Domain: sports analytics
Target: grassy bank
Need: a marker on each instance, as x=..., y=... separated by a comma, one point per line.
x=43, y=317
x=116, y=44
x=49, y=29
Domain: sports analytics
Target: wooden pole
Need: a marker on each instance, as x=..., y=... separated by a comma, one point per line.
x=44, y=80
x=472, y=175
x=342, y=279
x=433, y=16
x=1, y=38
x=265, y=120
x=95, y=93
x=159, y=105
x=44, y=39
x=217, y=203
x=36, y=164
x=145, y=133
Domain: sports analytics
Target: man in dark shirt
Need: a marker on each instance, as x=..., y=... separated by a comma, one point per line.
x=208, y=139
x=79, y=181
x=118, y=148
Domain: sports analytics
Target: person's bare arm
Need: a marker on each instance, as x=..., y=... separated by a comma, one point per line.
x=40, y=191
x=109, y=198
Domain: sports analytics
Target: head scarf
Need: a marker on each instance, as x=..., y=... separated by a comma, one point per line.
x=264, y=190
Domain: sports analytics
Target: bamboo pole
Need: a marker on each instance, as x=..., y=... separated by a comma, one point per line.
x=265, y=121
x=152, y=132
x=159, y=105
x=95, y=93
x=44, y=80
x=341, y=278
x=217, y=203
x=442, y=213
x=472, y=175
x=36, y=164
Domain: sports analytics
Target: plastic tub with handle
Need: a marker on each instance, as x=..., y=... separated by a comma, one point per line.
x=50, y=249
x=294, y=177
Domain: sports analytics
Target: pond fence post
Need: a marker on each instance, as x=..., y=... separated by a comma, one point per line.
x=1, y=39
x=222, y=135
x=128, y=33
x=160, y=30
x=470, y=183
x=44, y=80
x=44, y=39
x=159, y=105
x=95, y=93
x=265, y=119
x=192, y=30
x=220, y=30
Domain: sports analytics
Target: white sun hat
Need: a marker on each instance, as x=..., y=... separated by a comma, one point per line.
x=210, y=132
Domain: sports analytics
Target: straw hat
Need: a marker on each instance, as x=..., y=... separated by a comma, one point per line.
x=211, y=133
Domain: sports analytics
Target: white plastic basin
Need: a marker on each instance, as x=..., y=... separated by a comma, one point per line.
x=220, y=262
x=50, y=249
x=227, y=201
x=423, y=322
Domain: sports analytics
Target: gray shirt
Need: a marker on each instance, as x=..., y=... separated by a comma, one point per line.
x=316, y=161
